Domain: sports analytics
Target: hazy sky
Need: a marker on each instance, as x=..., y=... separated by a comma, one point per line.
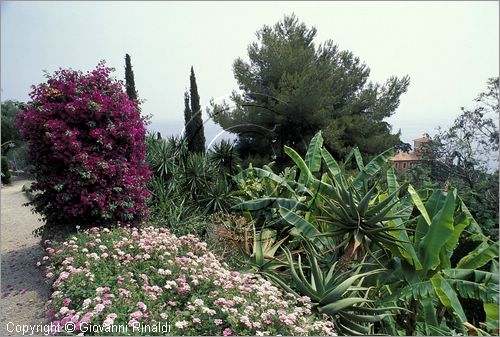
x=449, y=49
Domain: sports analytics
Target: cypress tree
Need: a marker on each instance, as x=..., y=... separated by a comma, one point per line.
x=188, y=125
x=129, y=79
x=197, y=143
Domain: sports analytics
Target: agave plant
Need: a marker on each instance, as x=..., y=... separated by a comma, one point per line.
x=352, y=211
x=262, y=257
x=337, y=293
x=361, y=219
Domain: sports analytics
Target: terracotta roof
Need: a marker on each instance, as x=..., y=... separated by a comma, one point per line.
x=403, y=156
x=422, y=140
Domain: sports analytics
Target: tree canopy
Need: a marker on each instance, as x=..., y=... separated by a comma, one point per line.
x=290, y=88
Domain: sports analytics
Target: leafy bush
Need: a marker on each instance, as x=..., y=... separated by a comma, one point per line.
x=351, y=222
x=5, y=171
x=135, y=276
x=87, y=143
x=187, y=187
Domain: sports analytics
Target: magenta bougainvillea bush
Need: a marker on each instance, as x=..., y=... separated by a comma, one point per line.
x=87, y=142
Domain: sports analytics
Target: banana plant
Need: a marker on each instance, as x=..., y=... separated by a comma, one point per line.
x=425, y=269
x=339, y=294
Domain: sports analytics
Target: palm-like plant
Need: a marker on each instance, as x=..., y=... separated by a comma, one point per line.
x=224, y=157
x=196, y=175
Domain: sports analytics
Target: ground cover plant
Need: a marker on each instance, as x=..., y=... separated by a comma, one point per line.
x=131, y=276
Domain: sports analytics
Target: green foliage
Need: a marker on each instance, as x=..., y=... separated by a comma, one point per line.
x=339, y=294
x=13, y=146
x=428, y=272
x=194, y=132
x=465, y=156
x=293, y=87
x=344, y=217
x=129, y=79
x=10, y=133
x=5, y=171
x=224, y=157
x=186, y=186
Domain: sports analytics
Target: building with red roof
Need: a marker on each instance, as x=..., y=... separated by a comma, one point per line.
x=405, y=160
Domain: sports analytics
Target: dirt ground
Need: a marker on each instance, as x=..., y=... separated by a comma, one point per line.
x=23, y=288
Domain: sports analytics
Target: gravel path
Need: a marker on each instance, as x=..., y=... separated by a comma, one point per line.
x=24, y=291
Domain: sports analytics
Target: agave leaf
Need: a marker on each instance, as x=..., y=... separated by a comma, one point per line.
x=336, y=293
x=341, y=304
x=372, y=168
x=381, y=205
x=258, y=247
x=299, y=281
x=363, y=318
x=349, y=329
x=280, y=282
x=363, y=204
x=352, y=326
x=374, y=311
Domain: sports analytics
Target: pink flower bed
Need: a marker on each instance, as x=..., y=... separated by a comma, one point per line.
x=144, y=277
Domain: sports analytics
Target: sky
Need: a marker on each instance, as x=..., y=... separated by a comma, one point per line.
x=449, y=49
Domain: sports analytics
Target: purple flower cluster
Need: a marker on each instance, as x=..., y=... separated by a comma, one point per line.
x=87, y=143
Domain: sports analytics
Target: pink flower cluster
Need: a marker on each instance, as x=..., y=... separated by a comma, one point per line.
x=87, y=143
x=152, y=276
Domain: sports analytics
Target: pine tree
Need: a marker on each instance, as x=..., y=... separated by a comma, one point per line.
x=129, y=79
x=197, y=143
x=293, y=86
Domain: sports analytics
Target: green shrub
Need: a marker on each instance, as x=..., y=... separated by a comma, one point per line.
x=5, y=171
